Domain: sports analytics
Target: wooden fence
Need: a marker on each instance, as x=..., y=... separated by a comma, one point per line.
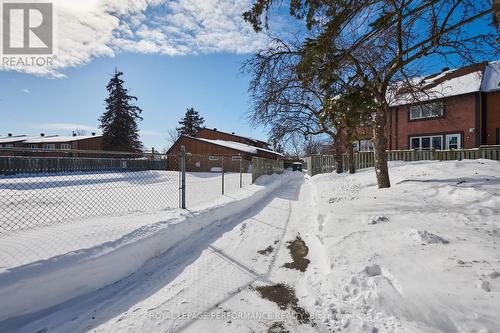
x=264, y=166
x=326, y=163
x=10, y=165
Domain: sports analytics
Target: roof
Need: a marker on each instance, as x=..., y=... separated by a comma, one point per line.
x=12, y=139
x=57, y=139
x=478, y=77
x=235, y=145
x=491, y=78
x=239, y=136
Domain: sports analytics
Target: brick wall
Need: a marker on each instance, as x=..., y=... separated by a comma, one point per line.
x=459, y=117
x=492, y=117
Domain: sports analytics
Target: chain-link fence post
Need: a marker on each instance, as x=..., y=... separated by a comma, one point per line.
x=182, y=171
x=222, y=170
x=241, y=171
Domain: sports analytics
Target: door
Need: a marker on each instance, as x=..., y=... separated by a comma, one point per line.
x=453, y=141
x=498, y=136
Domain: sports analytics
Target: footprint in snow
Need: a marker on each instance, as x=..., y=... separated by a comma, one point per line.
x=424, y=237
x=378, y=219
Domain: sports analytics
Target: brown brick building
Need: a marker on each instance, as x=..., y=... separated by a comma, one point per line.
x=209, y=146
x=50, y=146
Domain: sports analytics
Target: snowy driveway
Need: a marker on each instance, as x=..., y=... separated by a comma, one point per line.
x=212, y=274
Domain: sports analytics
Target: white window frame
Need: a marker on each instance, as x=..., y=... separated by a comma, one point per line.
x=9, y=145
x=454, y=135
x=50, y=146
x=213, y=158
x=363, y=143
x=32, y=146
x=66, y=146
x=426, y=111
x=430, y=137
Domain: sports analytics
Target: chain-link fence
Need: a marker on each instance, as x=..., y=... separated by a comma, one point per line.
x=37, y=191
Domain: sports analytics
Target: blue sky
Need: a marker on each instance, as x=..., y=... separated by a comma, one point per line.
x=174, y=53
x=164, y=85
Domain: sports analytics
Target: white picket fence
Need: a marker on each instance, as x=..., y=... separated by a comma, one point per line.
x=326, y=163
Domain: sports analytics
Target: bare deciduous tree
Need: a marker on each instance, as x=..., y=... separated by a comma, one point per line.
x=282, y=100
x=382, y=42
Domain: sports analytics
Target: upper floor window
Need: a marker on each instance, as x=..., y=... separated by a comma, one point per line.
x=66, y=146
x=50, y=146
x=32, y=146
x=428, y=110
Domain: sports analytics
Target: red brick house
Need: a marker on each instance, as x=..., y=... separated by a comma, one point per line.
x=459, y=109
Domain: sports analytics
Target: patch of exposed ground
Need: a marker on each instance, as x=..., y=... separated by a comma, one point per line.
x=298, y=251
x=266, y=251
x=278, y=327
x=284, y=296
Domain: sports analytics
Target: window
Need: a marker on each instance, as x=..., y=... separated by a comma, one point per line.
x=50, y=146
x=429, y=110
x=365, y=145
x=213, y=158
x=426, y=142
x=9, y=145
x=32, y=146
x=437, y=142
x=66, y=146
x=453, y=141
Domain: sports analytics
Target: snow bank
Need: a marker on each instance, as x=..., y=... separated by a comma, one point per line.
x=421, y=256
x=36, y=286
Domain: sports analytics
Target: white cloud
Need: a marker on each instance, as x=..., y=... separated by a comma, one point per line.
x=102, y=28
x=27, y=91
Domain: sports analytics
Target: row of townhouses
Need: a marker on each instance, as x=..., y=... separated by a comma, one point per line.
x=459, y=109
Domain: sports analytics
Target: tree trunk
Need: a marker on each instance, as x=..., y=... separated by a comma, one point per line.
x=350, y=154
x=339, y=167
x=379, y=147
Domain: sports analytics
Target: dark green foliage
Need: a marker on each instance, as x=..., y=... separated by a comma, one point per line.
x=119, y=122
x=191, y=123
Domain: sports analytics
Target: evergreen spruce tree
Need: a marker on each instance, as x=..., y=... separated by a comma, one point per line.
x=191, y=123
x=119, y=122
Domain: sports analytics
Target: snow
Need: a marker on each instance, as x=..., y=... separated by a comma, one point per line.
x=72, y=196
x=233, y=145
x=12, y=139
x=464, y=84
x=238, y=146
x=487, y=81
x=428, y=266
x=57, y=138
x=421, y=256
x=107, y=256
x=491, y=79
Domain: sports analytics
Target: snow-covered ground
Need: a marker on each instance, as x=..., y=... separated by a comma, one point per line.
x=423, y=256
x=31, y=200
x=322, y=254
